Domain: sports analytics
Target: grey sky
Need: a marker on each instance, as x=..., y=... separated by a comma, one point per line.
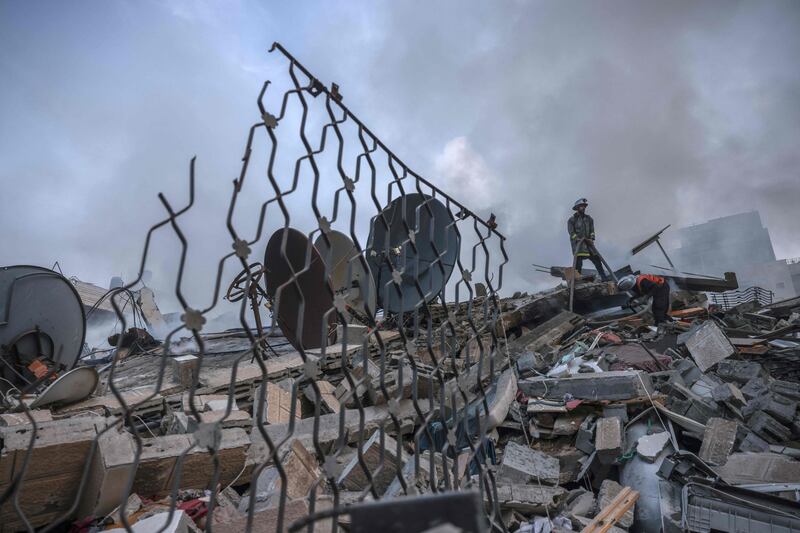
x=658, y=112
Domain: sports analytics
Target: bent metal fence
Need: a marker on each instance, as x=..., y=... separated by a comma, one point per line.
x=414, y=393
x=730, y=299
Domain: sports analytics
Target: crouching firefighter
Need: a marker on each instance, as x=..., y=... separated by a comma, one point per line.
x=649, y=285
x=580, y=227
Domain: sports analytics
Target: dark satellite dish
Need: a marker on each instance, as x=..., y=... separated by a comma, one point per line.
x=437, y=248
x=312, y=328
x=41, y=318
x=348, y=275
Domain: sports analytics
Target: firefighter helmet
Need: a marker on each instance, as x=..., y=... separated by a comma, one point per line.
x=626, y=283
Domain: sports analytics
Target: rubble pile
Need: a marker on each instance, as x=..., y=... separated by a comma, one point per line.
x=592, y=425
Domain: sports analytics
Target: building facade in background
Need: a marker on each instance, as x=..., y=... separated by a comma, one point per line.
x=737, y=243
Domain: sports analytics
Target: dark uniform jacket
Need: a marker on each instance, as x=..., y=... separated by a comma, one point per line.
x=580, y=227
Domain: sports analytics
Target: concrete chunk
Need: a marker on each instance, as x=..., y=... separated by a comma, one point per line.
x=729, y=393
x=382, y=467
x=618, y=385
x=708, y=345
x=768, y=428
x=746, y=468
x=528, y=498
x=718, y=441
x=524, y=465
x=649, y=446
x=608, y=439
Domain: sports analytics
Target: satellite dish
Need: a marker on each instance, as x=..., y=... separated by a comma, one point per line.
x=41, y=317
x=437, y=248
x=346, y=272
x=71, y=387
x=310, y=294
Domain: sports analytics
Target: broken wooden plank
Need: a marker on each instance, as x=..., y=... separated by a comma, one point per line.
x=613, y=512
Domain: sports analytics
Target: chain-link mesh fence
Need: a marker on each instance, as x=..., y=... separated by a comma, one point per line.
x=376, y=377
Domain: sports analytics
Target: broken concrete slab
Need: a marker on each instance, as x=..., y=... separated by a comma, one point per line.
x=21, y=419
x=730, y=394
x=649, y=446
x=738, y=371
x=159, y=466
x=617, y=385
x=326, y=429
x=528, y=498
x=522, y=464
x=328, y=400
x=768, y=428
x=302, y=473
x=548, y=333
x=709, y=345
x=277, y=406
x=54, y=468
x=748, y=468
x=718, y=440
x=382, y=462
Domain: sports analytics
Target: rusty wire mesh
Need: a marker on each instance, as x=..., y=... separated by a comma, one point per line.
x=436, y=373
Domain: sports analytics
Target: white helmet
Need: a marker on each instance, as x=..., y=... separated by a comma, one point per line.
x=626, y=283
x=579, y=202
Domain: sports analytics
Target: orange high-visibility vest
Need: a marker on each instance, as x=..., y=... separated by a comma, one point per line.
x=658, y=280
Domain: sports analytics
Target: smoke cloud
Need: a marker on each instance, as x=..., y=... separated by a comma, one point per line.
x=657, y=112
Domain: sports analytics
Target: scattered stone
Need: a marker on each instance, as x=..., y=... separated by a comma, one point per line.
x=650, y=446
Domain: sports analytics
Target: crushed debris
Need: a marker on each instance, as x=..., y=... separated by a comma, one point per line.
x=565, y=410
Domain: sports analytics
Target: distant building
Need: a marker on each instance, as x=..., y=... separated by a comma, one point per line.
x=794, y=271
x=737, y=243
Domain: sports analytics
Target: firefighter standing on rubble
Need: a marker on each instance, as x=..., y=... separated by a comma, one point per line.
x=580, y=227
x=650, y=285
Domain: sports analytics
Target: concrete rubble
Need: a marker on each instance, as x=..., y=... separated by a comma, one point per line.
x=590, y=421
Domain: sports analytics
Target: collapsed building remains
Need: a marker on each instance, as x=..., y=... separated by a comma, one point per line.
x=392, y=389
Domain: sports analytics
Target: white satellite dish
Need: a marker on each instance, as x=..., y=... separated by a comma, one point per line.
x=348, y=272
